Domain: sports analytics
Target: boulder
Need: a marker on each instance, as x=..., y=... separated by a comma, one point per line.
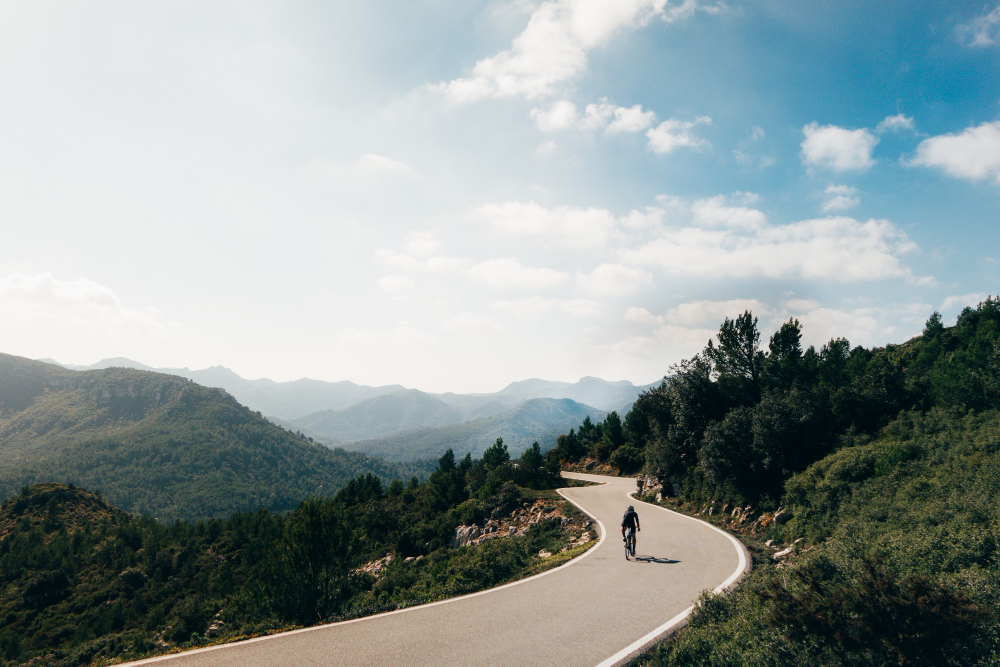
x=465, y=535
x=784, y=553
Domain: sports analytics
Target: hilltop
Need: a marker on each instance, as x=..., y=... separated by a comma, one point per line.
x=54, y=506
x=157, y=444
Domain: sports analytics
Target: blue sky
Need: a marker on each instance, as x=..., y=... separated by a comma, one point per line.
x=454, y=195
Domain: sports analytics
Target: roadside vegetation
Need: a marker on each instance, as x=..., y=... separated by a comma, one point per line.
x=83, y=582
x=867, y=481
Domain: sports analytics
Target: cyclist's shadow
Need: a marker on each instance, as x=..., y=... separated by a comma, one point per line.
x=642, y=558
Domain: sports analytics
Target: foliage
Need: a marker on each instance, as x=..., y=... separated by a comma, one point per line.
x=888, y=463
x=905, y=569
x=84, y=582
x=735, y=422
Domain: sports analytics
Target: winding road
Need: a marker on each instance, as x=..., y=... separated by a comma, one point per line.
x=598, y=609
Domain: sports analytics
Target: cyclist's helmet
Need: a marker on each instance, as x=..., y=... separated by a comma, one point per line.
x=630, y=508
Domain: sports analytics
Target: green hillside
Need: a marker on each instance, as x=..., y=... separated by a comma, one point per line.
x=157, y=444
x=84, y=583
x=538, y=420
x=875, y=473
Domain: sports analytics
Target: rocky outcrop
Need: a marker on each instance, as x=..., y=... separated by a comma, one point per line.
x=514, y=524
x=464, y=535
x=375, y=567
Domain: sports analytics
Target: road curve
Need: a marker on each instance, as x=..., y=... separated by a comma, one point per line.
x=596, y=609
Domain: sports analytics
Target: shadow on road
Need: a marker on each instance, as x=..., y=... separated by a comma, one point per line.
x=653, y=559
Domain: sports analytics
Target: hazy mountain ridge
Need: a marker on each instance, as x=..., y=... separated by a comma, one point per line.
x=541, y=419
x=299, y=399
x=283, y=400
x=338, y=412
x=157, y=443
x=379, y=416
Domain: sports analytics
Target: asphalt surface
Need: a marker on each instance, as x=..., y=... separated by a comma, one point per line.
x=597, y=609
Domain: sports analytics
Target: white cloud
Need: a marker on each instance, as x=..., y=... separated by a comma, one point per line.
x=893, y=123
x=689, y=338
x=714, y=212
x=641, y=315
x=982, y=31
x=397, y=287
x=533, y=307
x=546, y=148
x=957, y=302
x=401, y=335
x=368, y=168
x=868, y=326
x=422, y=243
x=651, y=217
x=632, y=119
x=973, y=154
x=372, y=164
x=427, y=265
x=42, y=305
x=633, y=346
x=564, y=225
x=508, y=272
x=820, y=325
x=801, y=304
x=469, y=323
x=840, y=198
x=837, y=248
x=614, y=280
x=712, y=313
x=404, y=334
x=596, y=115
x=672, y=134
x=563, y=115
x=837, y=148
x=689, y=326
x=552, y=49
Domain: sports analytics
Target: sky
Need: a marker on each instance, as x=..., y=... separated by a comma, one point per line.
x=456, y=194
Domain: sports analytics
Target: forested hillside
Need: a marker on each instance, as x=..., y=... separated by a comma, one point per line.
x=402, y=411
x=83, y=583
x=886, y=462
x=157, y=444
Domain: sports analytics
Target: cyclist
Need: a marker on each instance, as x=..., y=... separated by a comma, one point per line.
x=631, y=520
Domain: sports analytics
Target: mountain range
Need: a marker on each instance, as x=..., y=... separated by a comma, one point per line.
x=347, y=413
x=537, y=419
x=159, y=444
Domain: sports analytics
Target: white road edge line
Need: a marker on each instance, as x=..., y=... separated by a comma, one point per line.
x=679, y=618
x=183, y=654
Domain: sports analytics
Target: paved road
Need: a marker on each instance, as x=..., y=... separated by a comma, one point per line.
x=597, y=609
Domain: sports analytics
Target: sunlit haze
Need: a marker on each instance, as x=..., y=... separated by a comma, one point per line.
x=456, y=194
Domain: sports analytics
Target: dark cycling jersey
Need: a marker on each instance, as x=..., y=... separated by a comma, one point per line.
x=631, y=518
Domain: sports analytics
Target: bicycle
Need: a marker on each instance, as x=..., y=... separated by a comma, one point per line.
x=629, y=542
